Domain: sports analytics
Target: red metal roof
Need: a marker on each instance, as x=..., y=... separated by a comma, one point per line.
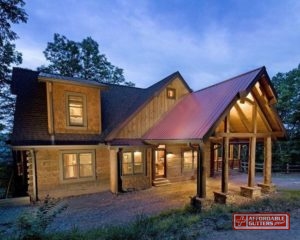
x=195, y=114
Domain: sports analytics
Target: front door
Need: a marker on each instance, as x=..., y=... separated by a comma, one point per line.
x=160, y=163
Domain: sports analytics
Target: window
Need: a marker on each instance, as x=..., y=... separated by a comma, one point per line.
x=171, y=93
x=78, y=165
x=190, y=159
x=76, y=108
x=132, y=163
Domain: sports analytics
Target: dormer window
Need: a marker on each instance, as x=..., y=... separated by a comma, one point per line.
x=171, y=93
x=76, y=109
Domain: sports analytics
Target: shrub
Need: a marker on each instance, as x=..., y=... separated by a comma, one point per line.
x=33, y=225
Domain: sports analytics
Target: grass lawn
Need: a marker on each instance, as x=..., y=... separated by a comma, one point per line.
x=187, y=223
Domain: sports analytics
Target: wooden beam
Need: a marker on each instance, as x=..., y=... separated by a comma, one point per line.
x=249, y=135
x=263, y=105
x=264, y=119
x=243, y=117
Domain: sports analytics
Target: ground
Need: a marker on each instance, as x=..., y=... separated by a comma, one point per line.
x=94, y=210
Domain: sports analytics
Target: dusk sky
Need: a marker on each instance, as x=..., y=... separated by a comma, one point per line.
x=206, y=41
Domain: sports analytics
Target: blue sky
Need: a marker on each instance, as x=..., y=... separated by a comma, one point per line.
x=207, y=41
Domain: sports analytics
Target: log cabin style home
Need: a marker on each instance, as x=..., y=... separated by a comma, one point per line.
x=73, y=136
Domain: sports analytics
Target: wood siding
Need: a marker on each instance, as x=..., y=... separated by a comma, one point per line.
x=152, y=112
x=59, y=106
x=139, y=181
x=49, y=170
x=175, y=171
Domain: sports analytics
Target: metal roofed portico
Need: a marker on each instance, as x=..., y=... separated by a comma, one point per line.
x=239, y=109
x=195, y=116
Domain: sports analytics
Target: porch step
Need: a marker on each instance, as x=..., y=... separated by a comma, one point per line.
x=158, y=182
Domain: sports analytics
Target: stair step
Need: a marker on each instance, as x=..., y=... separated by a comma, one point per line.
x=160, y=182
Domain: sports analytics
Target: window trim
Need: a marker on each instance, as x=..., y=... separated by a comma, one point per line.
x=132, y=157
x=78, y=179
x=84, y=111
x=194, y=160
x=173, y=95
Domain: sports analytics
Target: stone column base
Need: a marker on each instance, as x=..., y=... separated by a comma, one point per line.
x=267, y=188
x=197, y=202
x=220, y=197
x=251, y=192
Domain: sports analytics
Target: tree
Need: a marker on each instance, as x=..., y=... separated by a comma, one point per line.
x=81, y=59
x=11, y=12
x=287, y=86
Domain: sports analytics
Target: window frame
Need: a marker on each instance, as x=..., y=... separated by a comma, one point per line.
x=63, y=179
x=133, y=172
x=173, y=93
x=84, y=110
x=194, y=160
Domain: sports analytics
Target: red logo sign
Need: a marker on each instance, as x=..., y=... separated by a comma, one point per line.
x=261, y=221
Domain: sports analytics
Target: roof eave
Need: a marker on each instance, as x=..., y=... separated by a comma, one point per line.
x=173, y=141
x=72, y=82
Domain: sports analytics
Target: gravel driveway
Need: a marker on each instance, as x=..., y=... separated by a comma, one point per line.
x=94, y=210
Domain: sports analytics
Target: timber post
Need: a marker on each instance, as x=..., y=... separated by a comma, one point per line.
x=197, y=201
x=225, y=159
x=220, y=197
x=267, y=186
x=251, y=190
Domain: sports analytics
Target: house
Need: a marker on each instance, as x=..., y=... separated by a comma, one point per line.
x=74, y=136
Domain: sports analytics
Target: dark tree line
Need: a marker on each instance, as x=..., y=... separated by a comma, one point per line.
x=11, y=12
x=287, y=86
x=81, y=59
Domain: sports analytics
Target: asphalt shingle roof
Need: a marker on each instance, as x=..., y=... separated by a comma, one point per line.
x=30, y=124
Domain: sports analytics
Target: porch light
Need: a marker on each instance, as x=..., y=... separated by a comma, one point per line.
x=170, y=154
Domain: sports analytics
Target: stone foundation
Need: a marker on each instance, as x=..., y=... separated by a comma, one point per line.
x=220, y=197
x=267, y=188
x=197, y=202
x=251, y=192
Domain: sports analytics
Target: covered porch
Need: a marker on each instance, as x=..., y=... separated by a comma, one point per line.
x=239, y=111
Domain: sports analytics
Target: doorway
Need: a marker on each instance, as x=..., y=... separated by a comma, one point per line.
x=160, y=163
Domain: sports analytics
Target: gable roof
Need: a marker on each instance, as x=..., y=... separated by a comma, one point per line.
x=118, y=104
x=196, y=115
x=122, y=103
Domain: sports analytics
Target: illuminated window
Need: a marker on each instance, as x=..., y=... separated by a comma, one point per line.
x=132, y=163
x=76, y=109
x=190, y=160
x=171, y=93
x=78, y=165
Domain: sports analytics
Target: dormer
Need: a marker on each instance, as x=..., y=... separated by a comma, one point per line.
x=73, y=104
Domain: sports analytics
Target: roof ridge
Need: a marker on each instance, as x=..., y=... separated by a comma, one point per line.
x=125, y=86
x=169, y=77
x=230, y=79
x=24, y=69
